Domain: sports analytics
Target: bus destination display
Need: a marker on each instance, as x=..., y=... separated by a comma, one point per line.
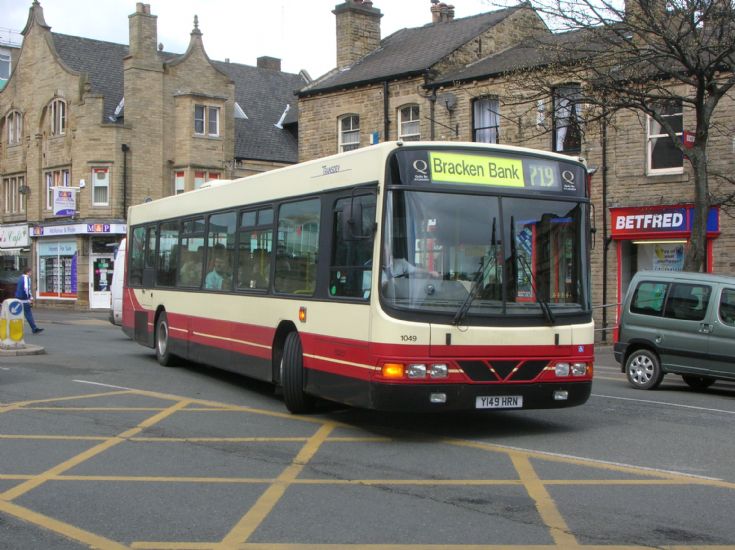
x=527, y=173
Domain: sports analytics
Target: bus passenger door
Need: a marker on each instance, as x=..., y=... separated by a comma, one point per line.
x=144, y=319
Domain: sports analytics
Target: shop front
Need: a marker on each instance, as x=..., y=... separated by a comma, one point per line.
x=74, y=263
x=655, y=238
x=15, y=247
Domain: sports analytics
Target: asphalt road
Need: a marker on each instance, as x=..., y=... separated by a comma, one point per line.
x=101, y=447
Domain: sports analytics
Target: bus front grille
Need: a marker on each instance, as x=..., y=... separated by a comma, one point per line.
x=502, y=371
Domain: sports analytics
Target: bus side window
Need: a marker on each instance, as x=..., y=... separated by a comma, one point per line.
x=221, y=234
x=350, y=271
x=137, y=257
x=168, y=254
x=191, y=256
x=255, y=250
x=298, y=247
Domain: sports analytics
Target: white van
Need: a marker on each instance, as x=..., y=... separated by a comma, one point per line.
x=116, y=290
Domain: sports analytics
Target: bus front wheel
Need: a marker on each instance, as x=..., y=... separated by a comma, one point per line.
x=292, y=376
x=162, y=344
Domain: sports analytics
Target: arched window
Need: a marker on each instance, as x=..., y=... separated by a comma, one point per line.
x=57, y=114
x=409, y=123
x=14, y=124
x=349, y=133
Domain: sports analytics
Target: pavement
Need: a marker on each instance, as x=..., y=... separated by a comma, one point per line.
x=44, y=316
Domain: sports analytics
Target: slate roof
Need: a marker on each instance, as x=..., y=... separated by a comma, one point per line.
x=410, y=51
x=262, y=93
x=102, y=61
x=532, y=52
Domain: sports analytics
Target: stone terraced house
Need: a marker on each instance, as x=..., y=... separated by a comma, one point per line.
x=451, y=79
x=89, y=128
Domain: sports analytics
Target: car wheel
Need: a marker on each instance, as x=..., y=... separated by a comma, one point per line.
x=292, y=376
x=643, y=369
x=698, y=382
x=162, y=343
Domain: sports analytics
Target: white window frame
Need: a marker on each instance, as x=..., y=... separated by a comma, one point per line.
x=206, y=120
x=5, y=61
x=14, y=199
x=213, y=121
x=199, y=120
x=409, y=115
x=55, y=178
x=14, y=122
x=653, y=134
x=57, y=112
x=486, y=119
x=202, y=176
x=346, y=137
x=179, y=182
x=97, y=186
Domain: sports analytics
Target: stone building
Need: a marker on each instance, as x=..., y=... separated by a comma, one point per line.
x=90, y=128
x=452, y=79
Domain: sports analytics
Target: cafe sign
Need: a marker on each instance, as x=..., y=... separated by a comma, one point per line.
x=14, y=236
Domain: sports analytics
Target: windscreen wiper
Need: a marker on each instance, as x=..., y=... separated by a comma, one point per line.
x=474, y=291
x=543, y=304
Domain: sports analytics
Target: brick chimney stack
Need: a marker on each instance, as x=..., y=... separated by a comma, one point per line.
x=143, y=32
x=358, y=30
x=271, y=63
x=441, y=12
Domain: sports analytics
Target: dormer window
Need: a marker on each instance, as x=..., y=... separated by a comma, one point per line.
x=206, y=120
x=57, y=110
x=14, y=124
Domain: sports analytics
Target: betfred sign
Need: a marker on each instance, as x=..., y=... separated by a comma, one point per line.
x=668, y=221
x=658, y=221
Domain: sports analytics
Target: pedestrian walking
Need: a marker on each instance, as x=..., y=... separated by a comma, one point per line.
x=24, y=294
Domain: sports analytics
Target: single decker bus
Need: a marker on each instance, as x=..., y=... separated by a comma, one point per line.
x=416, y=276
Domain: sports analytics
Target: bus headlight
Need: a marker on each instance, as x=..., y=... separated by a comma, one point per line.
x=561, y=369
x=416, y=371
x=439, y=371
x=579, y=369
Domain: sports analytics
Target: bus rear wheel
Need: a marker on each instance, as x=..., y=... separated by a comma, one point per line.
x=162, y=344
x=292, y=376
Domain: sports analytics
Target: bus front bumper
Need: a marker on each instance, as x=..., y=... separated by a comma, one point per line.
x=464, y=397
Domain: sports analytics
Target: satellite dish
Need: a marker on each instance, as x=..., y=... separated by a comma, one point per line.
x=450, y=101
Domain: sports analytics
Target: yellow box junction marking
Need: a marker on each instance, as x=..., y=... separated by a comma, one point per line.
x=238, y=536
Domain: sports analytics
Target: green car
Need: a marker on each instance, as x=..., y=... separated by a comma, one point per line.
x=678, y=323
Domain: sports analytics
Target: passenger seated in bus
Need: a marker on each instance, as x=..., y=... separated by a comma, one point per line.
x=254, y=272
x=191, y=268
x=215, y=278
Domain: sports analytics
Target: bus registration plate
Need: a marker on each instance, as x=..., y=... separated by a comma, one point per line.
x=499, y=402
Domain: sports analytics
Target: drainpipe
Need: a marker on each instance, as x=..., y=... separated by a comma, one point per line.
x=606, y=239
x=125, y=150
x=386, y=112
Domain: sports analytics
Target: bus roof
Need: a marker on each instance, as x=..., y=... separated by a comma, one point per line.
x=361, y=166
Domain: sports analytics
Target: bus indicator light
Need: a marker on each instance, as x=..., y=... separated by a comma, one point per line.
x=302, y=314
x=392, y=370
